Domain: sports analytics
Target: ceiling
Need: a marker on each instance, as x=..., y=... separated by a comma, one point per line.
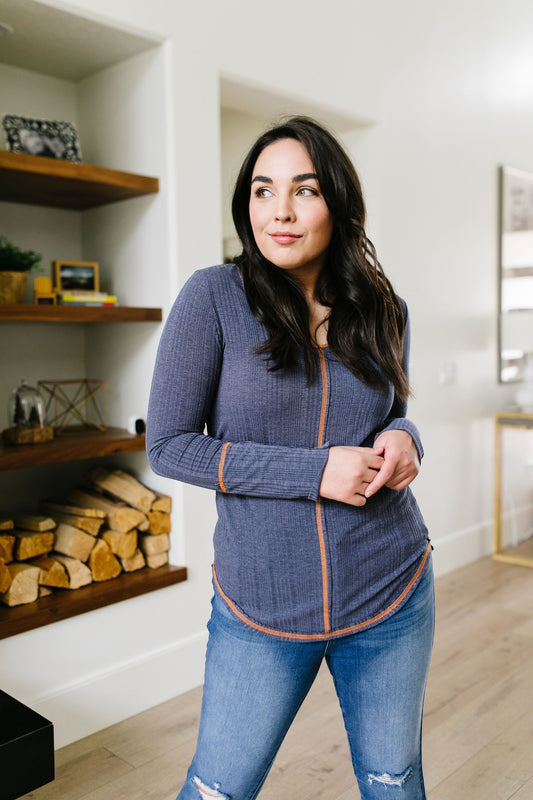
x=265, y=102
x=54, y=42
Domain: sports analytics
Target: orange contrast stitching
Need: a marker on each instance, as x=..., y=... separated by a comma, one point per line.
x=320, y=636
x=324, y=399
x=319, y=523
x=221, y=467
x=321, y=542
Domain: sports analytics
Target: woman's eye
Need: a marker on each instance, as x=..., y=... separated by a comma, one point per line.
x=262, y=192
x=306, y=191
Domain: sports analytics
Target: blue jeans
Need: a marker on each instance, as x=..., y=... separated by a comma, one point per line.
x=255, y=684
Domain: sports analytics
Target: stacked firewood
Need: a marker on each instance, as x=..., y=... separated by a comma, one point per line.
x=117, y=525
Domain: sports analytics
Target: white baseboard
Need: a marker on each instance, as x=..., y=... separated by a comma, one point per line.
x=83, y=708
x=462, y=547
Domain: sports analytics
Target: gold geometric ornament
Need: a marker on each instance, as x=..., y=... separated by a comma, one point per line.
x=75, y=402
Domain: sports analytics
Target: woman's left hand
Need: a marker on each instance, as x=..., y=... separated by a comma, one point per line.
x=401, y=464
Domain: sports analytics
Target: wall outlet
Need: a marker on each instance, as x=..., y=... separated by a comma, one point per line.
x=447, y=373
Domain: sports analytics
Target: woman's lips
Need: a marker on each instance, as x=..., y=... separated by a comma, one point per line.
x=282, y=237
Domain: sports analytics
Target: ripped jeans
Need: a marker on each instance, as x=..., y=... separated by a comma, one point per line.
x=255, y=684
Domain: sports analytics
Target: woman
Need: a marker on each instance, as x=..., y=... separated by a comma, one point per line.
x=295, y=357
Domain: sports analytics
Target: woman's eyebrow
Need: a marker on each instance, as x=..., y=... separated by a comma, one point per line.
x=304, y=176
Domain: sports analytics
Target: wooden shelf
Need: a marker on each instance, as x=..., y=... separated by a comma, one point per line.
x=65, y=184
x=63, y=604
x=514, y=419
x=28, y=312
x=75, y=444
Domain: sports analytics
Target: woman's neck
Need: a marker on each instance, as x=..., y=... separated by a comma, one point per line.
x=318, y=321
x=318, y=314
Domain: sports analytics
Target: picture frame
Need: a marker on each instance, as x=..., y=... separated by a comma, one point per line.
x=515, y=312
x=42, y=137
x=76, y=276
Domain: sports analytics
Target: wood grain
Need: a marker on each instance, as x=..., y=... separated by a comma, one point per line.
x=74, y=444
x=28, y=312
x=65, y=184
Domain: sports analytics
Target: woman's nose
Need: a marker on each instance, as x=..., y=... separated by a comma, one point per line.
x=284, y=211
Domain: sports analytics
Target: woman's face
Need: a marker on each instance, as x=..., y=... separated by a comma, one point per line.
x=290, y=220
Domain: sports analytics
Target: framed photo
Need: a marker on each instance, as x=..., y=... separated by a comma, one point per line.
x=515, y=319
x=76, y=276
x=41, y=137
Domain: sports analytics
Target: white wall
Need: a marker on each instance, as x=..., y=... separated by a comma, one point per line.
x=131, y=240
x=238, y=130
x=449, y=87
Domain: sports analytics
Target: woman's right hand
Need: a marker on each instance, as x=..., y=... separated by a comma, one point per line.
x=348, y=472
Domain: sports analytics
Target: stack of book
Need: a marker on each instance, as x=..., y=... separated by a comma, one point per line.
x=85, y=298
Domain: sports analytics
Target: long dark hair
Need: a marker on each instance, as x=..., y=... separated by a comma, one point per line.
x=366, y=322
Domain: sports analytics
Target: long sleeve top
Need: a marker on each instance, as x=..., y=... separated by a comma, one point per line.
x=287, y=562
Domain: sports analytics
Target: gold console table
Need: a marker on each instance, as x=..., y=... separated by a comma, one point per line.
x=521, y=554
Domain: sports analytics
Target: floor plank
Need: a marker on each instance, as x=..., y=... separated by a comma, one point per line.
x=478, y=724
x=498, y=770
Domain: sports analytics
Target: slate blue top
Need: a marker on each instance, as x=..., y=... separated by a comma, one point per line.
x=287, y=562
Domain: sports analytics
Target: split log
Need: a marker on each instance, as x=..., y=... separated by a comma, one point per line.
x=34, y=522
x=158, y=522
x=6, y=524
x=29, y=544
x=44, y=591
x=150, y=544
x=5, y=576
x=120, y=517
x=51, y=572
x=156, y=560
x=72, y=542
x=24, y=585
x=137, y=561
x=102, y=562
x=7, y=543
x=79, y=511
x=79, y=573
x=162, y=503
x=90, y=525
x=122, y=545
x=123, y=486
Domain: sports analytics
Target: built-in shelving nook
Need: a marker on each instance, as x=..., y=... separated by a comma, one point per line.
x=111, y=209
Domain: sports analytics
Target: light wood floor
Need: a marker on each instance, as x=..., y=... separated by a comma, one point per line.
x=478, y=729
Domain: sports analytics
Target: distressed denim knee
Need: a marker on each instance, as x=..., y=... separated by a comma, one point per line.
x=209, y=792
x=405, y=785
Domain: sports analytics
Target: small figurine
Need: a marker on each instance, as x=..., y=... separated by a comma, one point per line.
x=28, y=417
x=43, y=291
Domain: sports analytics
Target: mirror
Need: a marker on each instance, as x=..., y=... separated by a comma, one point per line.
x=516, y=273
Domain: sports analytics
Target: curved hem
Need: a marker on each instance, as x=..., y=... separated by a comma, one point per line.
x=317, y=637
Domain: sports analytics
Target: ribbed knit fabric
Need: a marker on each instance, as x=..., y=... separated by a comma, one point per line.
x=287, y=562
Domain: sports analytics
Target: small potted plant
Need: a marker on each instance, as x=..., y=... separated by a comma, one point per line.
x=14, y=267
